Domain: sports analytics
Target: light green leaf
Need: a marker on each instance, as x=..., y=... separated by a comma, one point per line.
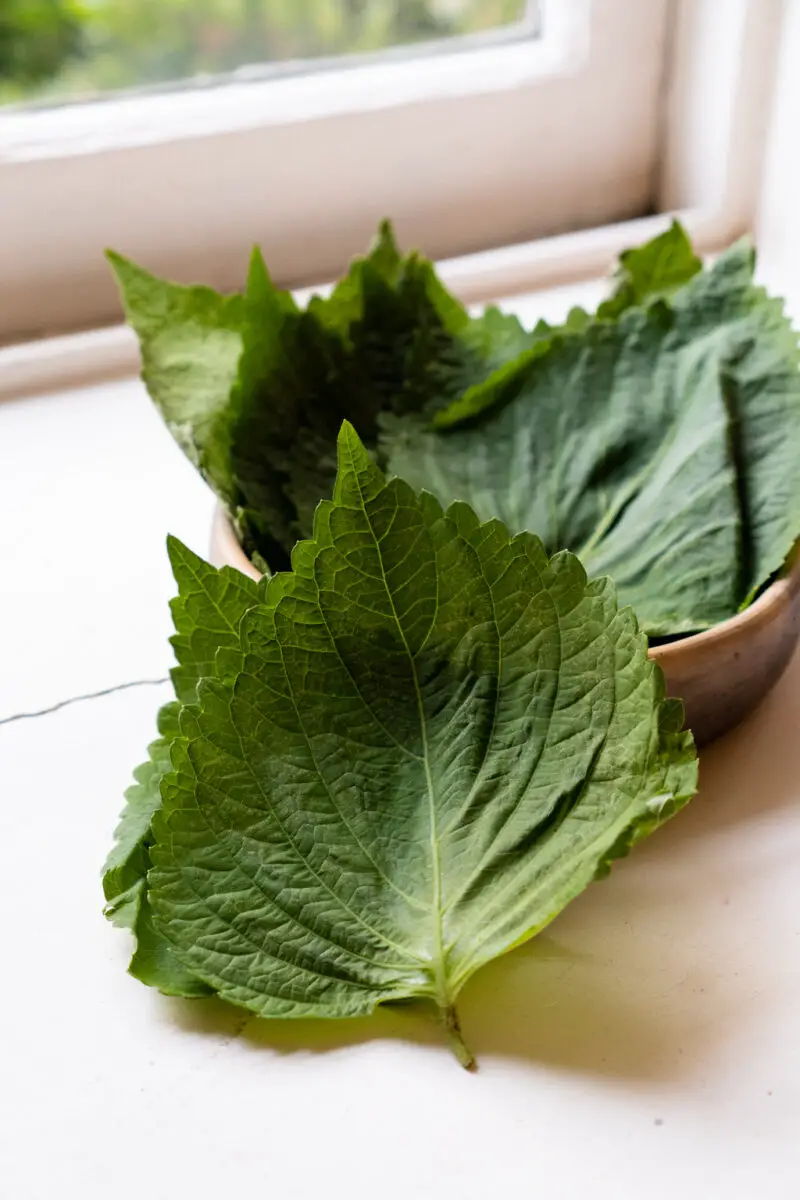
x=428, y=741
x=653, y=271
x=155, y=964
x=128, y=862
x=125, y=878
x=191, y=341
x=206, y=616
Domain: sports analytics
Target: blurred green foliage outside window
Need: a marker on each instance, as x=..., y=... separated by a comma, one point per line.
x=61, y=49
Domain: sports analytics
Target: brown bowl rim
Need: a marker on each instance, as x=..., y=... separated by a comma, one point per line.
x=773, y=600
x=769, y=603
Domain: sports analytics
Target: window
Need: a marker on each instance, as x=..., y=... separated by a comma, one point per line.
x=514, y=123
x=59, y=50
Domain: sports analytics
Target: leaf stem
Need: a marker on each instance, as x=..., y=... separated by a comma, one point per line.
x=457, y=1044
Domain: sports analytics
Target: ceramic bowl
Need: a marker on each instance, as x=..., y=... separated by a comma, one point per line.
x=721, y=674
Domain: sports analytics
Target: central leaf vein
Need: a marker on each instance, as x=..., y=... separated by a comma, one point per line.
x=442, y=991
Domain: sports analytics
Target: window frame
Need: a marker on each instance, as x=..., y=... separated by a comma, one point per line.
x=711, y=176
x=433, y=142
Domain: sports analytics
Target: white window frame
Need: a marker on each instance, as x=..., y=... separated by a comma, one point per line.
x=777, y=226
x=715, y=104
x=308, y=165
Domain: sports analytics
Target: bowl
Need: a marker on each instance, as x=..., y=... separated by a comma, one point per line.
x=720, y=674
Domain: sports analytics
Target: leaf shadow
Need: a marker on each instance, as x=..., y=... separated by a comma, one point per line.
x=630, y=990
x=603, y=1010
x=620, y=985
x=750, y=774
x=410, y=1023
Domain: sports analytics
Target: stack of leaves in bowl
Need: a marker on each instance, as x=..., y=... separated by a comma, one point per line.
x=424, y=731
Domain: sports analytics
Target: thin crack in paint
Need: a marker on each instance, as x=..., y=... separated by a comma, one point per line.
x=109, y=691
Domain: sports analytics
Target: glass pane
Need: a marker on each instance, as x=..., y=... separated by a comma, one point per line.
x=65, y=49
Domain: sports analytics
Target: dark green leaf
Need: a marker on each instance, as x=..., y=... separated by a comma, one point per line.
x=659, y=439
x=663, y=448
x=255, y=389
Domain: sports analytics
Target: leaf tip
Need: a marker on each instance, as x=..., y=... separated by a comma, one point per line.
x=347, y=431
x=258, y=276
x=386, y=235
x=357, y=473
x=351, y=450
x=123, y=269
x=180, y=555
x=174, y=546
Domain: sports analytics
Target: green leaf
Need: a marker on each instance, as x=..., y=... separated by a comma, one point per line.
x=663, y=447
x=155, y=964
x=37, y=39
x=388, y=339
x=191, y=342
x=206, y=616
x=255, y=389
x=659, y=439
x=129, y=861
x=125, y=878
x=645, y=274
x=761, y=383
x=653, y=271
x=428, y=739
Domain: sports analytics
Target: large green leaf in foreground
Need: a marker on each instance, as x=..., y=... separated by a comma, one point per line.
x=419, y=747
x=663, y=448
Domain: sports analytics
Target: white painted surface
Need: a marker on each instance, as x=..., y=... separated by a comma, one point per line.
x=90, y=485
x=778, y=228
x=646, y=1047
x=719, y=107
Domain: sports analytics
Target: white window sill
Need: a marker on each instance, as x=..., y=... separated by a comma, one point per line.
x=549, y=269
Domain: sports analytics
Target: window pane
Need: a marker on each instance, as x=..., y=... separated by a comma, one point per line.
x=63, y=49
